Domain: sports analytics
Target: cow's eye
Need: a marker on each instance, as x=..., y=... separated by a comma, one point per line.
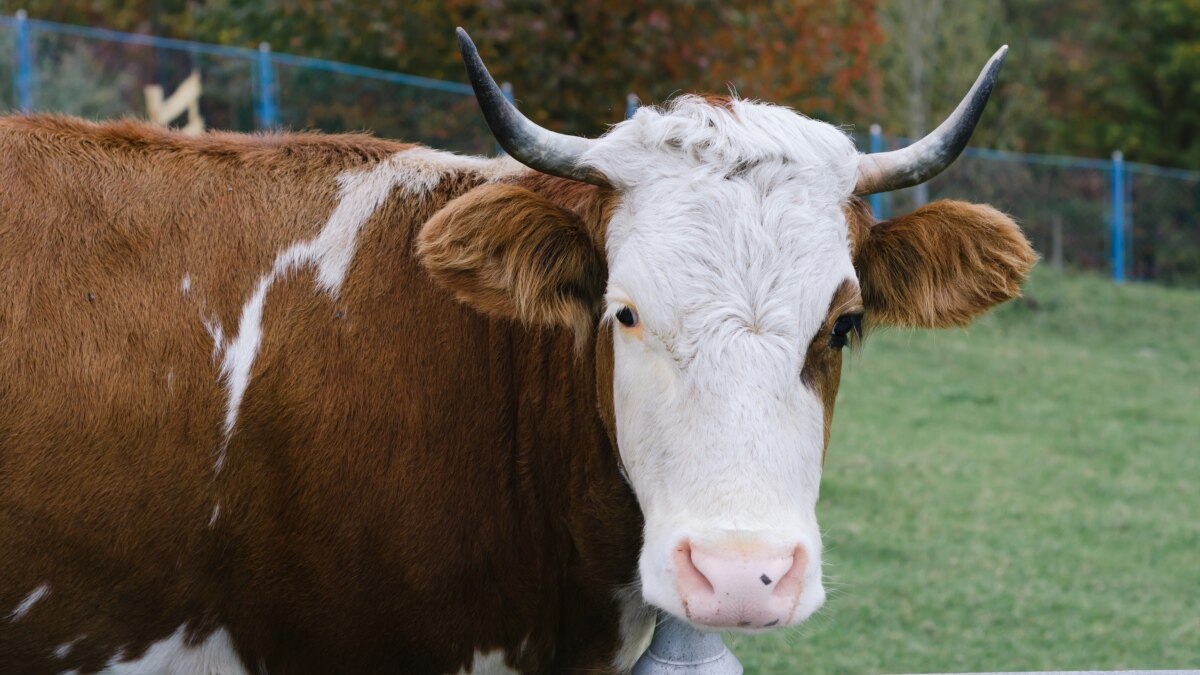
x=627, y=317
x=846, y=326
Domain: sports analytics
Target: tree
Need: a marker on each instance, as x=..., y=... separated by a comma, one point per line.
x=572, y=63
x=1082, y=77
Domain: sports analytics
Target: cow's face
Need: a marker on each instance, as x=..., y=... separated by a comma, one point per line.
x=731, y=291
x=728, y=267
x=727, y=263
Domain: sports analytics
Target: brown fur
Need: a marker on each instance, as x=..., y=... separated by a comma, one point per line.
x=582, y=207
x=409, y=480
x=511, y=252
x=592, y=205
x=941, y=265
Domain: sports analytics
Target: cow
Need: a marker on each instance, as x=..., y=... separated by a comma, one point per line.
x=296, y=403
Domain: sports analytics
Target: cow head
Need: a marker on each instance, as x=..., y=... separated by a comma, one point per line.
x=724, y=264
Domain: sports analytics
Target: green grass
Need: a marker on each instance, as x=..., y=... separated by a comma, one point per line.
x=1022, y=495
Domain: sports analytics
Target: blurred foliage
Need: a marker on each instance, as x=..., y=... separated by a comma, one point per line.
x=1083, y=77
x=1130, y=80
x=571, y=64
x=86, y=88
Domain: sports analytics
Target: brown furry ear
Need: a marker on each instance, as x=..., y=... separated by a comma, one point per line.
x=941, y=265
x=509, y=252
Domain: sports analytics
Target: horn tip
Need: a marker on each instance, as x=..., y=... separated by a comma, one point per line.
x=464, y=40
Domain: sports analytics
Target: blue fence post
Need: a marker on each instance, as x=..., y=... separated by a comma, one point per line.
x=1118, y=216
x=877, y=146
x=24, y=64
x=631, y=105
x=268, y=110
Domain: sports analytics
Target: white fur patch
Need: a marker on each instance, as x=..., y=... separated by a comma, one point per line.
x=30, y=600
x=185, y=285
x=64, y=650
x=360, y=194
x=217, y=333
x=422, y=169
x=173, y=656
x=216, y=513
x=488, y=663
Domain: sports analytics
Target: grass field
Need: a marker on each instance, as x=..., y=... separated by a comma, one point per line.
x=1023, y=495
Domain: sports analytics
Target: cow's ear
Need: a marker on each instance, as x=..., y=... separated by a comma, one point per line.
x=941, y=265
x=510, y=252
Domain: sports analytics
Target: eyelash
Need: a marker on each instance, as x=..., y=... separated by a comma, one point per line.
x=846, y=327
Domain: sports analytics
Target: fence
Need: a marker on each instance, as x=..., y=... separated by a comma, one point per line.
x=1134, y=221
x=100, y=74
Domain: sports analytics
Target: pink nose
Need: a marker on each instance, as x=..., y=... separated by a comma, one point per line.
x=734, y=588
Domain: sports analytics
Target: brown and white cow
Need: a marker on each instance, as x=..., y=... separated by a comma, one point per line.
x=315, y=404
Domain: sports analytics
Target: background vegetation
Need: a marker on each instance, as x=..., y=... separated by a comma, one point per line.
x=1084, y=77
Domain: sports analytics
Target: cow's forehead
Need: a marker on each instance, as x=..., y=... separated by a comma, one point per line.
x=732, y=218
x=696, y=138
x=699, y=284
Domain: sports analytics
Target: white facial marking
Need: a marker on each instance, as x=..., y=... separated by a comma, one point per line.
x=488, y=663
x=730, y=241
x=30, y=600
x=185, y=286
x=636, y=627
x=173, y=655
x=360, y=194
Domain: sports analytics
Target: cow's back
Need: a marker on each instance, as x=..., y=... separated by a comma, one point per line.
x=236, y=409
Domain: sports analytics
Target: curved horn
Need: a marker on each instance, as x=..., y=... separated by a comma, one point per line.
x=906, y=167
x=537, y=148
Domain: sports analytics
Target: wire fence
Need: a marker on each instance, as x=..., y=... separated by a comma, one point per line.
x=1130, y=220
x=101, y=74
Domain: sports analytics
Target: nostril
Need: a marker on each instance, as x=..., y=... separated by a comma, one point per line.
x=791, y=583
x=765, y=579
x=689, y=577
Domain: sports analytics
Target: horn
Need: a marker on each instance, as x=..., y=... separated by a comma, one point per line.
x=906, y=167
x=537, y=148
